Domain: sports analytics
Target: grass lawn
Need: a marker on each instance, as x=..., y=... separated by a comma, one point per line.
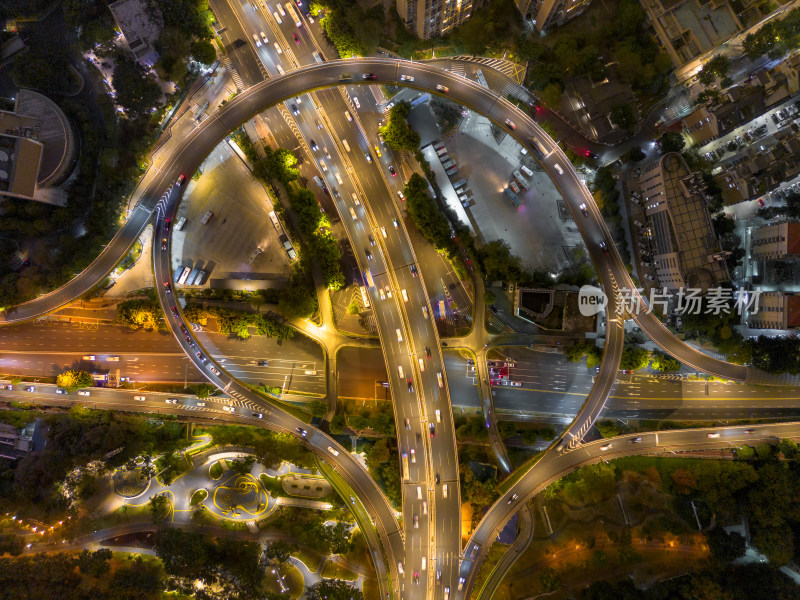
x=371, y=590
x=273, y=485
x=292, y=579
x=310, y=558
x=496, y=552
x=334, y=571
x=124, y=514
x=215, y=472
x=198, y=497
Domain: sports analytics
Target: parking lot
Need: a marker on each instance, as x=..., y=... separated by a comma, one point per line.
x=536, y=231
x=238, y=246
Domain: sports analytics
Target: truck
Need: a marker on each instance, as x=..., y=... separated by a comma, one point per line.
x=319, y=182
x=538, y=147
x=513, y=197
x=192, y=276
x=181, y=275
x=523, y=183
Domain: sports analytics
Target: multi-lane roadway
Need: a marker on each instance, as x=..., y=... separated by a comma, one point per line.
x=188, y=156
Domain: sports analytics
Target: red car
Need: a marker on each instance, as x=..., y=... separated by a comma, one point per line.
x=296, y=39
x=180, y=181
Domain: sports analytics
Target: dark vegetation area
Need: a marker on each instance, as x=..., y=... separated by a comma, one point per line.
x=113, y=146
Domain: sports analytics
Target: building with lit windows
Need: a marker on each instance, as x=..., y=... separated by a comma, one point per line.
x=549, y=13
x=780, y=241
x=776, y=310
x=435, y=18
x=685, y=251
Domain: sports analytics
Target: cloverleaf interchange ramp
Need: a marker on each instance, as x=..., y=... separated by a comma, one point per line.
x=187, y=158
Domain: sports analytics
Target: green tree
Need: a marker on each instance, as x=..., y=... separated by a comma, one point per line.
x=333, y=589
x=95, y=564
x=725, y=547
x=159, y=507
x=279, y=550
x=397, y=133
x=74, y=379
x=550, y=579
x=204, y=52
x=623, y=116
x=136, y=88
x=551, y=95
x=634, y=358
x=665, y=363
x=671, y=141
x=607, y=428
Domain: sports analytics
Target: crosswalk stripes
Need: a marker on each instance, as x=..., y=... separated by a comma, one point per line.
x=237, y=79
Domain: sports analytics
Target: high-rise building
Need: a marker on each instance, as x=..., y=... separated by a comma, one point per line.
x=433, y=18
x=547, y=13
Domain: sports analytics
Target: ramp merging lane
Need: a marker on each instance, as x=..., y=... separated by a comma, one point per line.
x=611, y=271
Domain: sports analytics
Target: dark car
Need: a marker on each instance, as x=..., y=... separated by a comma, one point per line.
x=313, y=145
x=174, y=312
x=166, y=224
x=168, y=289
x=414, y=270
x=432, y=429
x=295, y=110
x=183, y=327
x=368, y=76
x=604, y=247
x=201, y=357
x=163, y=243
x=436, y=478
x=427, y=351
x=392, y=171
x=301, y=431
x=371, y=240
x=296, y=39
x=263, y=363
x=180, y=181
x=257, y=415
x=410, y=384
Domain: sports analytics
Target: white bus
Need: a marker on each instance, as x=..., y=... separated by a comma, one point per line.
x=292, y=10
x=182, y=277
x=364, y=296
x=368, y=278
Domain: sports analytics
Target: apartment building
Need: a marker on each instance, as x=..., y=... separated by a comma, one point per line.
x=434, y=18
x=776, y=310
x=780, y=241
x=685, y=252
x=549, y=13
x=140, y=25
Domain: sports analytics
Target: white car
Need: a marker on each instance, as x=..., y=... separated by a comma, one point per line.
x=323, y=166
x=383, y=232
x=356, y=102
x=442, y=88
x=333, y=451
x=256, y=40
x=280, y=70
x=558, y=168
x=444, y=490
x=404, y=294
x=338, y=177
x=399, y=335
x=84, y=393
x=438, y=416
x=354, y=196
x=171, y=400
x=421, y=364
x=348, y=116
x=713, y=435
x=140, y=398
x=413, y=456
x=382, y=295
x=606, y=447
x=280, y=10
x=201, y=404
x=264, y=37
x=229, y=409
x=406, y=78
x=277, y=47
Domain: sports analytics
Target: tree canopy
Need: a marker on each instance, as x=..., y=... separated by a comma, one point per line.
x=74, y=379
x=397, y=133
